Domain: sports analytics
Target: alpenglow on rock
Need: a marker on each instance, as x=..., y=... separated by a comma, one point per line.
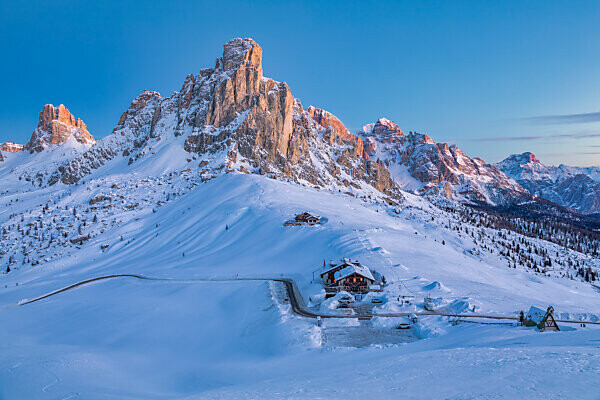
x=11, y=147
x=55, y=126
x=574, y=187
x=418, y=163
x=231, y=117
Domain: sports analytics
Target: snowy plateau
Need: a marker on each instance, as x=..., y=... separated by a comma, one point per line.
x=207, y=294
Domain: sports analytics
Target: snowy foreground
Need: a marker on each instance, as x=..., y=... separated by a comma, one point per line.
x=131, y=339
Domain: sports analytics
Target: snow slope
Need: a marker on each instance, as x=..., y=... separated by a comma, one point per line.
x=34, y=168
x=182, y=190
x=131, y=339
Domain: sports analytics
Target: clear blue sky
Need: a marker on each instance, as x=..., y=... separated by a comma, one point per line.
x=474, y=73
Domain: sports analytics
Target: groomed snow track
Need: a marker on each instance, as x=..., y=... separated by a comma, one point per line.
x=295, y=297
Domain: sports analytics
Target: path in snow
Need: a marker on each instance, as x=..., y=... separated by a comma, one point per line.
x=296, y=300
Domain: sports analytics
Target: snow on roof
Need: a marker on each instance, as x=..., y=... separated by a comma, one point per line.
x=344, y=263
x=536, y=314
x=351, y=269
x=307, y=214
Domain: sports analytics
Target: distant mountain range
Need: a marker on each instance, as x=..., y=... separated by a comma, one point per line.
x=232, y=118
x=573, y=187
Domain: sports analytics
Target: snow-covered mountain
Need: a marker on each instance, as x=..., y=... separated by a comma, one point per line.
x=418, y=163
x=58, y=139
x=192, y=191
x=573, y=187
x=228, y=118
x=232, y=118
x=56, y=125
x=11, y=147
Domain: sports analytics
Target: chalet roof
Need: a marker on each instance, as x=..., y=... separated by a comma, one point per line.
x=306, y=215
x=536, y=314
x=353, y=269
x=344, y=263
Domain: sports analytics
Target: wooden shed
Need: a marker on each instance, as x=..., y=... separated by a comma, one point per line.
x=543, y=320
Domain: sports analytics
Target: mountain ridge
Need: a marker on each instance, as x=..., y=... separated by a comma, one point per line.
x=574, y=187
x=232, y=118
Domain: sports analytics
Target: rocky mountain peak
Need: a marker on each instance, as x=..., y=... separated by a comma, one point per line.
x=384, y=126
x=233, y=119
x=327, y=119
x=11, y=147
x=418, y=163
x=573, y=187
x=338, y=130
x=56, y=125
x=523, y=158
x=383, y=130
x=140, y=102
x=241, y=53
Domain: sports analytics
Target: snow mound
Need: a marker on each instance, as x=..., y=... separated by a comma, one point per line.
x=435, y=285
x=457, y=307
x=332, y=303
x=388, y=322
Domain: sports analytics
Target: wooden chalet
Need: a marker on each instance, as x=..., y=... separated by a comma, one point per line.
x=348, y=275
x=307, y=218
x=543, y=320
x=304, y=219
x=328, y=272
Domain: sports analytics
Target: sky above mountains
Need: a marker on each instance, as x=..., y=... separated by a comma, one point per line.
x=495, y=79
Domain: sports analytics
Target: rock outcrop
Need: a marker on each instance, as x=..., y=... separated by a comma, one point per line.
x=56, y=125
x=573, y=187
x=233, y=118
x=420, y=164
x=11, y=147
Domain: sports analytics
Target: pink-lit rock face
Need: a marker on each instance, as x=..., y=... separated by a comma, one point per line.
x=56, y=125
x=438, y=167
x=326, y=119
x=339, y=132
x=255, y=121
x=11, y=147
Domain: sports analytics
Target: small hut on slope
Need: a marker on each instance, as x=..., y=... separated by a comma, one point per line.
x=543, y=320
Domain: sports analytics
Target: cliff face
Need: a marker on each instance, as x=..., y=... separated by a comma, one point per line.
x=233, y=118
x=56, y=125
x=11, y=147
x=573, y=187
x=419, y=163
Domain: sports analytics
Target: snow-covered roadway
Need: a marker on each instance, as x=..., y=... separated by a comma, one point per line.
x=297, y=304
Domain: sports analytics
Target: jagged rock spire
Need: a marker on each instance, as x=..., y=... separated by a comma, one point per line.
x=241, y=53
x=56, y=125
x=235, y=118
